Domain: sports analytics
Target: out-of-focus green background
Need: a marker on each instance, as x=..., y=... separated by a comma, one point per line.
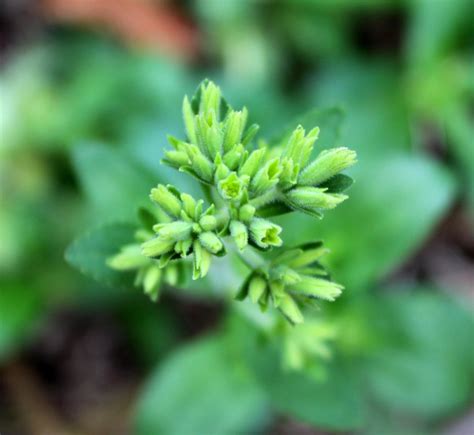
x=88, y=91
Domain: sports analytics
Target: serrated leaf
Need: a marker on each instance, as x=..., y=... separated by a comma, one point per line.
x=201, y=389
x=89, y=253
x=428, y=371
x=114, y=184
x=337, y=184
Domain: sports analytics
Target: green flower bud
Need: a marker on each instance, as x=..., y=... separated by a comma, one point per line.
x=233, y=157
x=210, y=99
x=289, y=173
x=182, y=247
x=246, y=213
x=157, y=246
x=312, y=197
x=171, y=275
x=266, y=177
x=231, y=188
x=176, y=158
x=201, y=261
x=308, y=257
x=130, y=257
x=299, y=147
x=222, y=171
x=209, y=134
x=265, y=233
x=252, y=163
x=189, y=205
x=317, y=288
x=289, y=276
x=211, y=242
x=257, y=287
x=250, y=134
x=326, y=165
x=177, y=230
x=239, y=233
x=200, y=163
x=208, y=223
x=166, y=200
x=188, y=116
x=290, y=309
x=234, y=128
x=151, y=282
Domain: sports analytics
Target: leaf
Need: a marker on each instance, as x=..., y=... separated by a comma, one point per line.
x=20, y=311
x=337, y=184
x=332, y=401
x=434, y=29
x=90, y=252
x=431, y=373
x=394, y=205
x=328, y=120
x=201, y=389
x=113, y=183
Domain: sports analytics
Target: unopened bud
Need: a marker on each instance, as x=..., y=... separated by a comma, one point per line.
x=166, y=200
x=157, y=246
x=188, y=116
x=234, y=156
x=290, y=309
x=266, y=177
x=201, y=260
x=211, y=242
x=130, y=257
x=257, y=287
x=234, y=127
x=246, y=213
x=239, y=233
x=326, y=165
x=252, y=164
x=317, y=288
x=151, y=282
x=312, y=197
x=177, y=230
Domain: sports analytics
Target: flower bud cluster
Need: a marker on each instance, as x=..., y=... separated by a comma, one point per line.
x=218, y=153
x=294, y=276
x=192, y=231
x=246, y=186
x=149, y=274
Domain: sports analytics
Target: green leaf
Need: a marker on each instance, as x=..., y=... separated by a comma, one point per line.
x=20, y=311
x=429, y=371
x=90, y=252
x=331, y=400
x=337, y=184
x=394, y=205
x=114, y=184
x=201, y=389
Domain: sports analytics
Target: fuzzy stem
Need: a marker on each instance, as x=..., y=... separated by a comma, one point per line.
x=251, y=258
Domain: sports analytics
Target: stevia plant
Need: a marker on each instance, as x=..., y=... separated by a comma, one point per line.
x=246, y=183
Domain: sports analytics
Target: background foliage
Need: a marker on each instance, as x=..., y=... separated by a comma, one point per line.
x=84, y=111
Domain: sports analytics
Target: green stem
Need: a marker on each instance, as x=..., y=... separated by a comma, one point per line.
x=252, y=259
